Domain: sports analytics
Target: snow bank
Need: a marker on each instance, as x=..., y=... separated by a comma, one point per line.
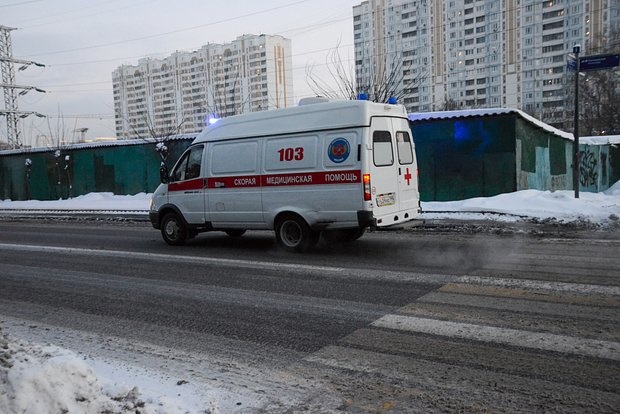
x=559, y=205
x=614, y=190
x=38, y=379
x=91, y=201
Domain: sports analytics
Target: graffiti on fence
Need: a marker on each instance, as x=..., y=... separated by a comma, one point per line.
x=588, y=168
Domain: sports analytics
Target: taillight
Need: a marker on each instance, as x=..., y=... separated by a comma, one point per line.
x=367, y=194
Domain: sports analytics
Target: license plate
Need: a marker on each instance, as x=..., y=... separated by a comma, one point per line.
x=386, y=199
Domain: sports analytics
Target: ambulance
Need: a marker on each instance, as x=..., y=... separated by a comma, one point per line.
x=330, y=168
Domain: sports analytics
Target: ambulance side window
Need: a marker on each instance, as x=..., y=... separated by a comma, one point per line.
x=382, y=148
x=193, y=163
x=188, y=166
x=403, y=145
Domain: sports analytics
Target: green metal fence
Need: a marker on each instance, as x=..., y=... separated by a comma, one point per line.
x=459, y=157
x=68, y=171
x=465, y=157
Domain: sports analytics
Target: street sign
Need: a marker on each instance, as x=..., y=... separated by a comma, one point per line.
x=598, y=62
x=571, y=62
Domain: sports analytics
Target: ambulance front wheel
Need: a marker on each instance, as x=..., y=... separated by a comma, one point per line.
x=294, y=234
x=173, y=229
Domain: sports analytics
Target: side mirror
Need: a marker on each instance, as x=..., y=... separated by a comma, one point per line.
x=163, y=174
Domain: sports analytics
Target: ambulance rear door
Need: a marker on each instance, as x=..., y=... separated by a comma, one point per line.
x=392, y=171
x=407, y=167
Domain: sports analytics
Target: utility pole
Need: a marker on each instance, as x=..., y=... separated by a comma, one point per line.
x=576, y=50
x=10, y=88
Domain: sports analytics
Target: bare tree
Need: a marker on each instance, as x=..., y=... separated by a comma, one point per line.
x=600, y=95
x=225, y=99
x=390, y=78
x=158, y=134
x=450, y=105
x=600, y=102
x=156, y=130
x=342, y=79
x=57, y=141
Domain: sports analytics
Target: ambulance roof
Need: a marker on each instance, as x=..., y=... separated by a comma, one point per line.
x=303, y=118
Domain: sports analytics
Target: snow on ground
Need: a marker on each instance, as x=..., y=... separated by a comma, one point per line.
x=559, y=205
x=600, y=208
x=37, y=379
x=92, y=201
x=45, y=379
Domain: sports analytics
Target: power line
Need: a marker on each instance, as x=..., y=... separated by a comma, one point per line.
x=71, y=10
x=20, y=3
x=444, y=25
x=172, y=31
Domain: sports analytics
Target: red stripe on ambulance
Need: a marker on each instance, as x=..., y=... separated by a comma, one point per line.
x=271, y=180
x=188, y=185
x=234, y=182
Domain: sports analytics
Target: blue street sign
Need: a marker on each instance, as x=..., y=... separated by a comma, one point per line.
x=598, y=62
x=571, y=62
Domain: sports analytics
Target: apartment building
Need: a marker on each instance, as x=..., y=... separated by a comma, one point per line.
x=183, y=91
x=482, y=53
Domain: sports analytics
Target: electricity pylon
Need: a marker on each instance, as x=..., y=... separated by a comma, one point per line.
x=10, y=88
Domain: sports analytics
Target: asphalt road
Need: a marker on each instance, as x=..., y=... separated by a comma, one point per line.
x=418, y=321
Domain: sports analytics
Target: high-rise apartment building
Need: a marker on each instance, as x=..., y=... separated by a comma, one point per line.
x=481, y=53
x=186, y=89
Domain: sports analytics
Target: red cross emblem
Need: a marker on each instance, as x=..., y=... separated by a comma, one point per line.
x=408, y=176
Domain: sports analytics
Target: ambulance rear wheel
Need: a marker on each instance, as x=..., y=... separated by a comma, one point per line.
x=173, y=229
x=294, y=234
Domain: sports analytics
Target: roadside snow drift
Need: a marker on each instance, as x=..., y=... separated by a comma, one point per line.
x=37, y=379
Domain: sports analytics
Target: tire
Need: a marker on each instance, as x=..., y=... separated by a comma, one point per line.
x=235, y=232
x=294, y=234
x=173, y=229
x=343, y=236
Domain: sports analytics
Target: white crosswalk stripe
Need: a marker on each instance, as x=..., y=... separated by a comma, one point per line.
x=515, y=337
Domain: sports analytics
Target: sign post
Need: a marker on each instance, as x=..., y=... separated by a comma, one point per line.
x=583, y=64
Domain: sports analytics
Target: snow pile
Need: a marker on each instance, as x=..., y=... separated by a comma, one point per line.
x=91, y=201
x=46, y=379
x=614, y=190
x=559, y=205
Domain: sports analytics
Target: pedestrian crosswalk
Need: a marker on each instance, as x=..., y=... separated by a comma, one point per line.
x=496, y=339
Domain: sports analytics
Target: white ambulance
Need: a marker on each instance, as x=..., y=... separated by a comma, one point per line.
x=329, y=167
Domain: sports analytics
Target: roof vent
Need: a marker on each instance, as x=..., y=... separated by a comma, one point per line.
x=313, y=100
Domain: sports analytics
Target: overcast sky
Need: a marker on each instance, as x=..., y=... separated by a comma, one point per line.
x=82, y=42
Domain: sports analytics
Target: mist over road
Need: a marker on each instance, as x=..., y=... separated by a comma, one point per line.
x=400, y=322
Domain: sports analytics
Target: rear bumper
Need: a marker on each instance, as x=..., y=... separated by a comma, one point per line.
x=401, y=226
x=399, y=221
